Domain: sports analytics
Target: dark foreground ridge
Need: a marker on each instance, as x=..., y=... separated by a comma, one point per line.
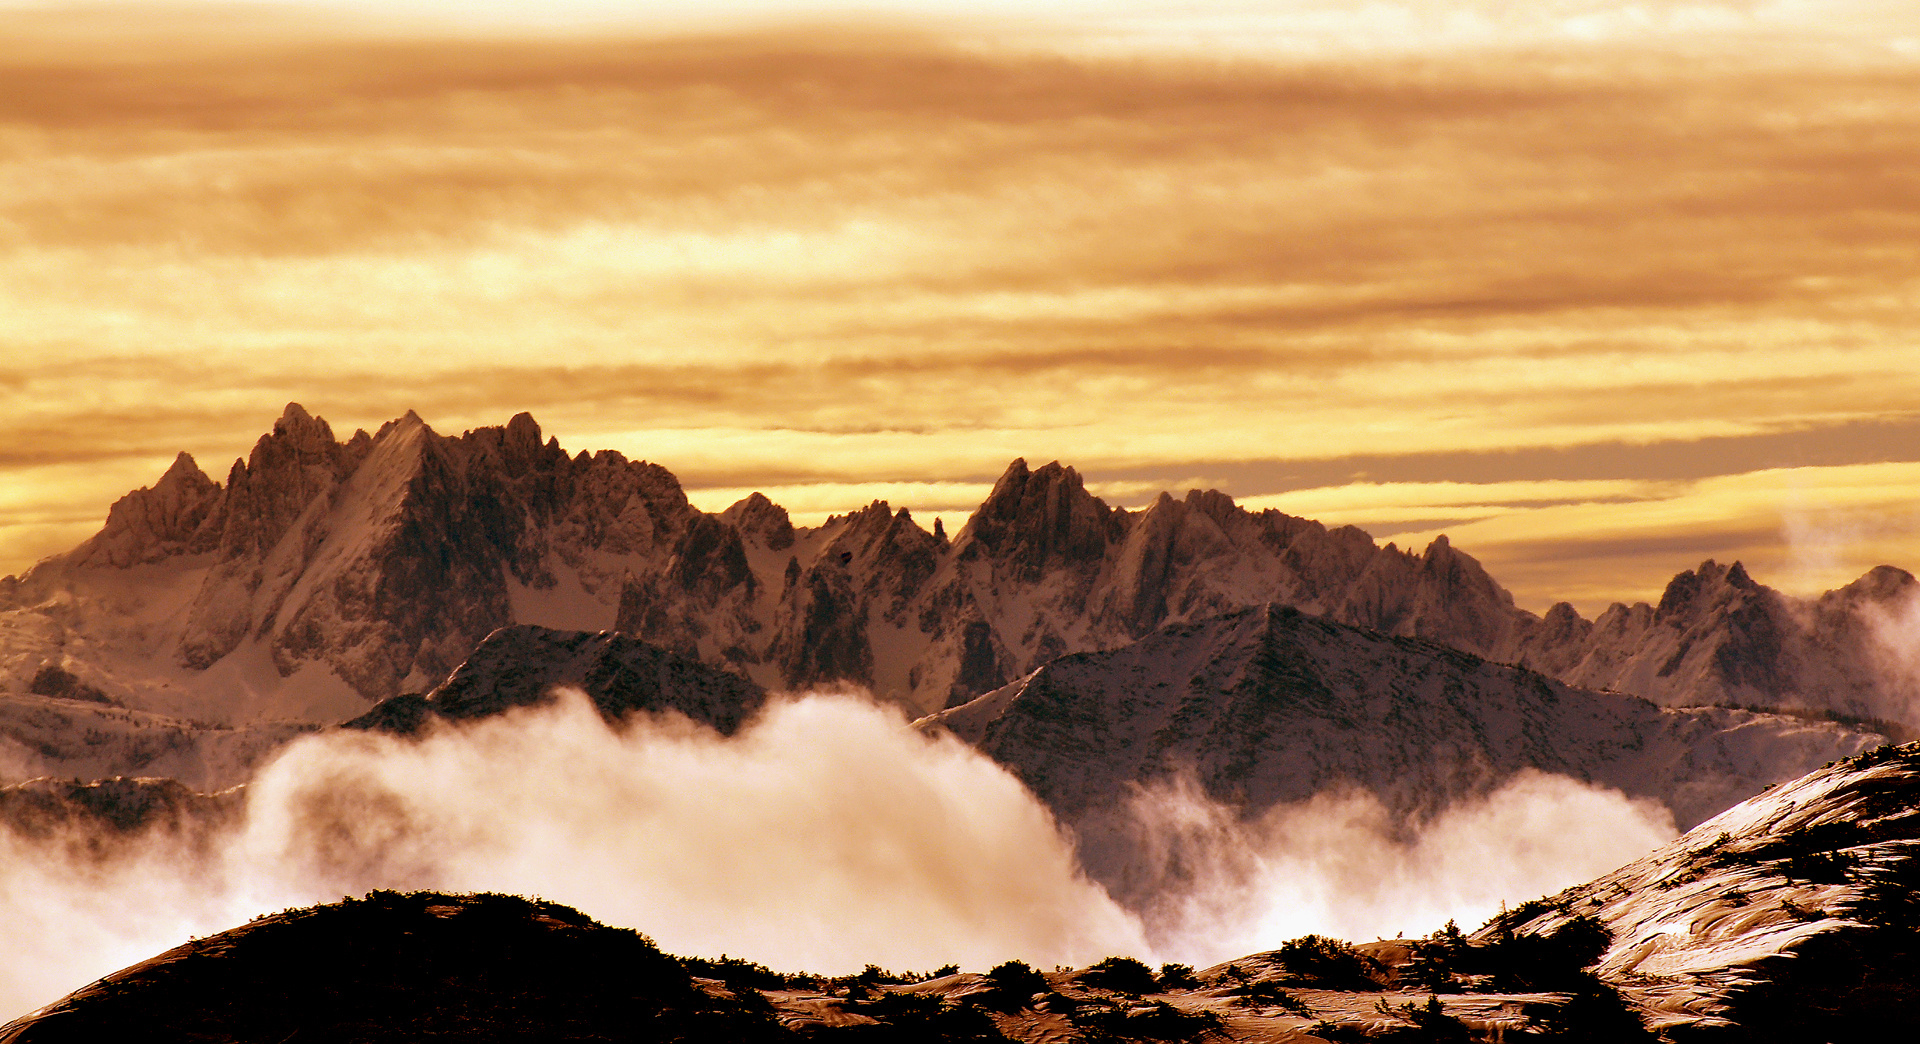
x=413, y=967
x=424, y=966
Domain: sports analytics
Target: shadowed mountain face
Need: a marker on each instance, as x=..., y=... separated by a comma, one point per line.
x=1269, y=706
x=521, y=666
x=325, y=574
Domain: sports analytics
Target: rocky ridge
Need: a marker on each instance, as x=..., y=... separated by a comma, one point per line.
x=323, y=575
x=1270, y=706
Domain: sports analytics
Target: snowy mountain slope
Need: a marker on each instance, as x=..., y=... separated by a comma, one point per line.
x=1791, y=917
x=1266, y=706
x=521, y=665
x=1719, y=637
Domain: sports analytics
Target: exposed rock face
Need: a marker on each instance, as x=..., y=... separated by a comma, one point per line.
x=324, y=574
x=1267, y=706
x=173, y=517
x=521, y=666
x=364, y=567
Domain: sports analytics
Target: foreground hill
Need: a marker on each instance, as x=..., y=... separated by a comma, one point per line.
x=405, y=968
x=1794, y=916
x=1268, y=706
x=324, y=575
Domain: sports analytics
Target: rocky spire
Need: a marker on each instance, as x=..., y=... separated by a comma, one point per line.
x=1035, y=519
x=169, y=518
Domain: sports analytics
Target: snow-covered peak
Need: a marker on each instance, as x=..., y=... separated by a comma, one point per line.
x=1038, y=519
x=762, y=518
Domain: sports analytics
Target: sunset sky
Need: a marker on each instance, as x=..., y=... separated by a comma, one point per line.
x=1598, y=289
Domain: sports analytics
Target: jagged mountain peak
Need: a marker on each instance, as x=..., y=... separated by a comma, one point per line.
x=406, y=424
x=523, y=431
x=292, y=416
x=299, y=427
x=1040, y=518
x=757, y=516
x=1878, y=585
x=1693, y=590
x=183, y=472
x=1212, y=503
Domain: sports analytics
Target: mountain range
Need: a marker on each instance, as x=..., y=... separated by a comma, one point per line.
x=325, y=575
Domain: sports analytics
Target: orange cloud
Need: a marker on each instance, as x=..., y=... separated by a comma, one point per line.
x=834, y=261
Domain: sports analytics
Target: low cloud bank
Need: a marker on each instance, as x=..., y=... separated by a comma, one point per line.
x=826, y=835
x=1212, y=886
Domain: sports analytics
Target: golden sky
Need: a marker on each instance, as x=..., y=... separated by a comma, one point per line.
x=1598, y=289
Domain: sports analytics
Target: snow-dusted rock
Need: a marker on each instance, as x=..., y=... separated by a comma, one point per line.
x=1789, y=917
x=326, y=574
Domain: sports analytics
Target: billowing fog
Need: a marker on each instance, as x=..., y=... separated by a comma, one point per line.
x=826, y=835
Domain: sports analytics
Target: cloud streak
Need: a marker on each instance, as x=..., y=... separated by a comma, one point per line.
x=907, y=255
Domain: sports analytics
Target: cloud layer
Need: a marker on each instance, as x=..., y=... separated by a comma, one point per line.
x=835, y=259
x=825, y=835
